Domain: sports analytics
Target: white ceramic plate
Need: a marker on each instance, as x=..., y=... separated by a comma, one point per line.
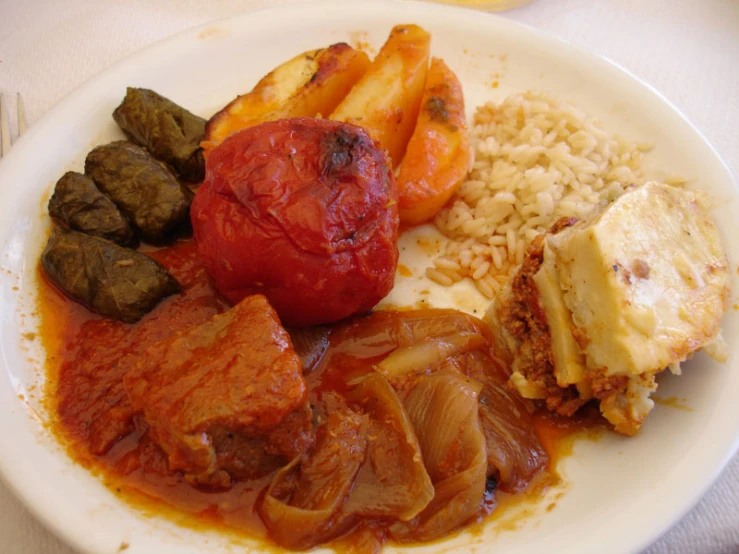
x=620, y=494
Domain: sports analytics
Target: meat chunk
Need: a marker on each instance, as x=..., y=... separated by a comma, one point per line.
x=225, y=399
x=520, y=323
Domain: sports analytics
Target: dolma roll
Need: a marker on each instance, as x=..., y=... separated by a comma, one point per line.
x=79, y=205
x=113, y=281
x=169, y=132
x=145, y=190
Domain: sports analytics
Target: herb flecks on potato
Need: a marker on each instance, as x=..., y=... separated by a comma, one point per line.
x=438, y=154
x=387, y=99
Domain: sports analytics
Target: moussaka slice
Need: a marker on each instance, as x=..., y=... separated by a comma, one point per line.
x=599, y=307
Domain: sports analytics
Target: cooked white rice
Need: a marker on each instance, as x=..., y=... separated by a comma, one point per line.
x=536, y=160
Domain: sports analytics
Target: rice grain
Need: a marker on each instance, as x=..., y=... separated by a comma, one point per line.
x=536, y=159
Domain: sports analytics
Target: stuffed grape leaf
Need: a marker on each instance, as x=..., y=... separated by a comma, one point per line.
x=168, y=131
x=144, y=189
x=79, y=205
x=111, y=280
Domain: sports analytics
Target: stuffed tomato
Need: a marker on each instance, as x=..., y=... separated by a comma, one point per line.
x=303, y=211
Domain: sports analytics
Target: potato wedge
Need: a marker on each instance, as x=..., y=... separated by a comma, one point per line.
x=438, y=154
x=313, y=83
x=387, y=99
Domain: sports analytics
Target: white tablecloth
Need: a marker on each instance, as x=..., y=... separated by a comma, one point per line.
x=687, y=49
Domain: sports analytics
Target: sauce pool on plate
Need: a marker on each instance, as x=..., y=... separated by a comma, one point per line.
x=89, y=355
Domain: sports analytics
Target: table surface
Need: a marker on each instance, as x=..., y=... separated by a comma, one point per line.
x=687, y=49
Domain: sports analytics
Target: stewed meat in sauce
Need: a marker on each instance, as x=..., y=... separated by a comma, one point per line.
x=226, y=398
x=389, y=426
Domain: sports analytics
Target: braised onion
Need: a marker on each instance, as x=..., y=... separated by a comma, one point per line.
x=428, y=352
x=393, y=481
x=514, y=451
x=444, y=411
x=413, y=418
x=302, y=506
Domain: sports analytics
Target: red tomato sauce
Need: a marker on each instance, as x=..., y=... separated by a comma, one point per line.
x=87, y=357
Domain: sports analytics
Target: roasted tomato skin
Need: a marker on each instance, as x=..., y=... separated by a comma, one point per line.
x=303, y=211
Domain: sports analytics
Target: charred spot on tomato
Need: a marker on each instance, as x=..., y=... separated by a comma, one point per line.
x=338, y=150
x=437, y=110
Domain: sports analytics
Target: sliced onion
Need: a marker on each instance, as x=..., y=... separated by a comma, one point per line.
x=514, y=450
x=423, y=355
x=382, y=332
x=434, y=323
x=513, y=447
x=303, y=505
x=366, y=337
x=310, y=344
x=443, y=409
x=393, y=481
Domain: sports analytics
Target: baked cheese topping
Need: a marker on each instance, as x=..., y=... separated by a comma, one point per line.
x=646, y=281
x=635, y=289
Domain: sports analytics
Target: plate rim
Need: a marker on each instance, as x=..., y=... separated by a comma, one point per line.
x=47, y=515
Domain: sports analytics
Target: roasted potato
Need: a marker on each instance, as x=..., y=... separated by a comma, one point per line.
x=310, y=84
x=387, y=98
x=438, y=154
